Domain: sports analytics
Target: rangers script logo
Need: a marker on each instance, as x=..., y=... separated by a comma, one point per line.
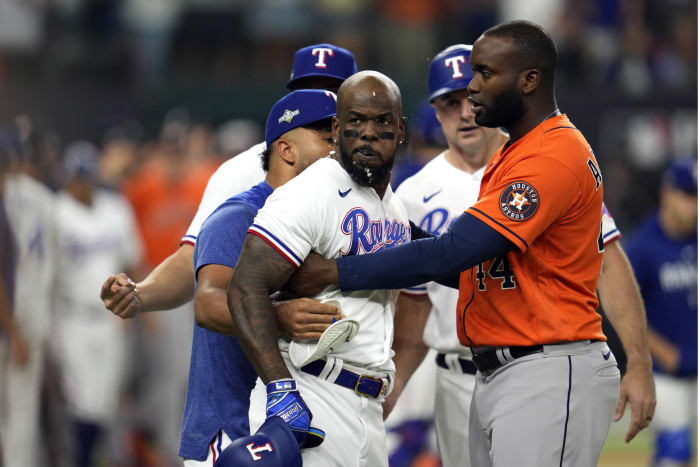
x=519, y=201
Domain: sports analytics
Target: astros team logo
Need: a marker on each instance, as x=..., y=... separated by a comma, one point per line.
x=519, y=201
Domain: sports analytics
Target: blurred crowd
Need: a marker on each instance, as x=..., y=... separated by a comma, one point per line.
x=634, y=46
x=628, y=70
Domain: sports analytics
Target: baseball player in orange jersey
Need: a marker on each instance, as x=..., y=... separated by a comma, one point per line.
x=529, y=252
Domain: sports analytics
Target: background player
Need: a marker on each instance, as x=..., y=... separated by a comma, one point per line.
x=500, y=239
x=434, y=198
x=320, y=66
x=30, y=210
x=664, y=255
x=221, y=378
x=96, y=234
x=339, y=206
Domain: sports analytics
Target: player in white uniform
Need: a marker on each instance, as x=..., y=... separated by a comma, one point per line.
x=96, y=234
x=339, y=206
x=30, y=211
x=171, y=283
x=433, y=198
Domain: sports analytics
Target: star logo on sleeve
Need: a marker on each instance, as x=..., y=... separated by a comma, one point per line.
x=519, y=201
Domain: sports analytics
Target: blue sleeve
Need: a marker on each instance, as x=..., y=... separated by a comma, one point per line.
x=635, y=254
x=467, y=243
x=221, y=238
x=417, y=233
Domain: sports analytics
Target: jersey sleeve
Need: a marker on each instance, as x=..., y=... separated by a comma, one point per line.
x=232, y=177
x=221, y=238
x=527, y=199
x=291, y=220
x=610, y=231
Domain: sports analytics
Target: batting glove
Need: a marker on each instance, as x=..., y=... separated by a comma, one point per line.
x=284, y=401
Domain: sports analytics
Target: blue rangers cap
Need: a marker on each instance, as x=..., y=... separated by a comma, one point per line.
x=450, y=70
x=298, y=108
x=683, y=175
x=273, y=445
x=322, y=60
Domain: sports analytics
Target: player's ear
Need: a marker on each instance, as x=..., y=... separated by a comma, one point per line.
x=529, y=80
x=402, y=130
x=286, y=150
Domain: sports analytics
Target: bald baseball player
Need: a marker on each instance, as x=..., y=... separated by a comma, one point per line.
x=170, y=284
x=528, y=254
x=340, y=206
x=297, y=133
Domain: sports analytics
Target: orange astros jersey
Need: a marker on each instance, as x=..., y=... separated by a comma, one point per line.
x=543, y=193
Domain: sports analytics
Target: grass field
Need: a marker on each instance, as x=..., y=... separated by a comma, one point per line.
x=617, y=453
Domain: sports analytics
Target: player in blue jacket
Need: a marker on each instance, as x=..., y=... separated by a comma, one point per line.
x=298, y=132
x=664, y=256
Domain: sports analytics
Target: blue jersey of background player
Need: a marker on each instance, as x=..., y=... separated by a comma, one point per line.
x=664, y=256
x=216, y=410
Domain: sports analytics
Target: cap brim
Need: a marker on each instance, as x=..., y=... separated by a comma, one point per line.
x=291, y=82
x=445, y=90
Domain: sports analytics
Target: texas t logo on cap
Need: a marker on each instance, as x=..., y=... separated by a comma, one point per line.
x=454, y=62
x=322, y=52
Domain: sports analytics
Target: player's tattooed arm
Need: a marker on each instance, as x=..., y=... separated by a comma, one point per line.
x=260, y=271
x=297, y=319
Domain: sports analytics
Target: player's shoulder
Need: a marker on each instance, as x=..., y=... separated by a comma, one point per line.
x=323, y=174
x=648, y=232
x=427, y=172
x=233, y=212
x=34, y=192
x=562, y=140
x=249, y=158
x=427, y=177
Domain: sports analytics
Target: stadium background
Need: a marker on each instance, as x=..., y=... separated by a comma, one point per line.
x=181, y=85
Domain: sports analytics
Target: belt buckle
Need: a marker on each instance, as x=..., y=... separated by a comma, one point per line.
x=359, y=392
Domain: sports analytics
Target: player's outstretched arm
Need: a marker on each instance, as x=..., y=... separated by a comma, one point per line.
x=297, y=319
x=168, y=286
x=468, y=242
x=409, y=321
x=622, y=302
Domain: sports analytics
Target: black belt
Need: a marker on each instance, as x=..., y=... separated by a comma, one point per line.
x=467, y=366
x=494, y=359
x=363, y=385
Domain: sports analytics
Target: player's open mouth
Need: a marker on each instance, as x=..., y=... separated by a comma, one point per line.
x=366, y=154
x=468, y=129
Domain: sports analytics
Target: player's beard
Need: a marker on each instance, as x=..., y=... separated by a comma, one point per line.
x=504, y=111
x=361, y=174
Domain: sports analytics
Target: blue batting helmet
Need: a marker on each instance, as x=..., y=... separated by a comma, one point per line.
x=450, y=70
x=298, y=108
x=273, y=445
x=322, y=60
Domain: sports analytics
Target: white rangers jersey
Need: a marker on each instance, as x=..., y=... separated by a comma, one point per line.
x=434, y=197
x=324, y=210
x=93, y=242
x=30, y=210
x=233, y=176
